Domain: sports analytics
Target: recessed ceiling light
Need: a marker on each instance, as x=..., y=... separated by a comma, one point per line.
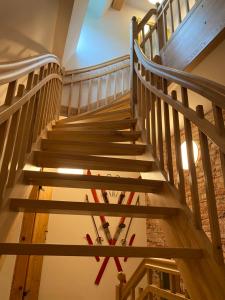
x=70, y=171
x=155, y=1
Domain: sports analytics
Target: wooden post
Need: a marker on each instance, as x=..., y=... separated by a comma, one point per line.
x=119, y=289
x=133, y=61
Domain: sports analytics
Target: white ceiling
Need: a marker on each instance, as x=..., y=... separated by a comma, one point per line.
x=140, y=4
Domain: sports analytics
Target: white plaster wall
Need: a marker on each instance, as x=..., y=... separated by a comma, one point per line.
x=104, y=38
x=73, y=277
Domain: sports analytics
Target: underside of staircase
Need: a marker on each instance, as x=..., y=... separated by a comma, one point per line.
x=99, y=141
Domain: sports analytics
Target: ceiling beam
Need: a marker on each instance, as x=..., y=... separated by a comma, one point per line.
x=117, y=4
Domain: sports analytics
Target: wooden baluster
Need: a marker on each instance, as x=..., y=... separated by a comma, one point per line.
x=9, y=136
x=179, y=11
x=79, y=97
x=219, y=124
x=115, y=86
x=151, y=47
x=167, y=135
x=160, y=28
x=99, y=91
x=147, y=101
x=19, y=138
x=177, y=144
x=46, y=102
x=138, y=96
x=159, y=126
x=123, y=88
x=143, y=107
x=133, y=61
x=70, y=97
x=108, y=89
x=143, y=39
x=165, y=36
x=89, y=94
x=171, y=15
x=119, y=290
x=210, y=192
x=140, y=291
x=150, y=281
x=187, y=6
x=152, y=104
x=191, y=164
x=40, y=110
x=172, y=283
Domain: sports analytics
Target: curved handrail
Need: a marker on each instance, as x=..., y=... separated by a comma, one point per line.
x=211, y=90
x=15, y=70
x=146, y=18
x=98, y=66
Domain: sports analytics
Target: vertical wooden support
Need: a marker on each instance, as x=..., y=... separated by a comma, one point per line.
x=143, y=102
x=160, y=28
x=210, y=193
x=171, y=15
x=79, y=97
x=89, y=94
x=167, y=135
x=177, y=144
x=99, y=91
x=133, y=61
x=179, y=11
x=27, y=272
x=191, y=165
x=147, y=101
x=153, y=123
x=132, y=294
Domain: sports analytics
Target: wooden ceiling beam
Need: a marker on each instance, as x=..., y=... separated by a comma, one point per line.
x=118, y=4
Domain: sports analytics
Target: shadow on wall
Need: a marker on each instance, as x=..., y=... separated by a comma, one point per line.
x=14, y=44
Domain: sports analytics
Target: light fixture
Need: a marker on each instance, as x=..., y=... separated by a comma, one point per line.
x=185, y=156
x=70, y=171
x=155, y=1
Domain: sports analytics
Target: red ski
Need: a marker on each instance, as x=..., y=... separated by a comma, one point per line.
x=90, y=243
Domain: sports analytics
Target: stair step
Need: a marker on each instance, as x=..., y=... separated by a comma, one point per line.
x=115, y=125
x=124, y=101
x=113, y=115
x=91, y=181
x=110, y=251
x=94, y=209
x=63, y=160
x=101, y=135
x=73, y=147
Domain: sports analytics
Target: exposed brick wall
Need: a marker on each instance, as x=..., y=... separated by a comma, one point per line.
x=155, y=235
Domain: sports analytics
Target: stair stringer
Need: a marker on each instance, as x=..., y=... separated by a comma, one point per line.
x=204, y=278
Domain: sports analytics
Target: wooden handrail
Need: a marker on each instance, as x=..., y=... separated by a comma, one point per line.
x=147, y=17
x=14, y=70
x=98, y=66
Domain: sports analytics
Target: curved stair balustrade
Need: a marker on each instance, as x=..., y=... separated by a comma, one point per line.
x=153, y=278
x=92, y=87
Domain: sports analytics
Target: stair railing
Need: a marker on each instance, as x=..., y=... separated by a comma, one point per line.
x=163, y=101
x=160, y=278
x=30, y=101
x=92, y=87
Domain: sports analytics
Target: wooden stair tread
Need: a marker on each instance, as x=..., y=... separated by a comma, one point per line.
x=63, y=160
x=116, y=125
x=84, y=147
x=98, y=135
x=95, y=209
x=111, y=251
x=117, y=114
x=92, y=181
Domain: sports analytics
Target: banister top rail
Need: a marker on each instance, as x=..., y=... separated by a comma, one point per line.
x=152, y=263
x=146, y=18
x=98, y=66
x=15, y=70
x=206, y=88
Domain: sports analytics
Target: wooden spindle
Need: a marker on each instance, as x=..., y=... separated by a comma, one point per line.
x=89, y=94
x=187, y=6
x=168, y=135
x=147, y=101
x=153, y=123
x=11, y=91
x=99, y=91
x=133, y=61
x=122, y=279
x=179, y=11
x=143, y=103
x=177, y=144
x=122, y=76
x=172, y=279
x=219, y=124
x=79, y=97
x=165, y=36
x=171, y=15
x=115, y=86
x=159, y=126
x=143, y=39
x=191, y=164
x=210, y=192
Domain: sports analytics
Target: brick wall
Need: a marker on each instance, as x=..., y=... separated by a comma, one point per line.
x=155, y=236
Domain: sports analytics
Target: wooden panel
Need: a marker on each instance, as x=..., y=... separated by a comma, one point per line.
x=101, y=135
x=195, y=34
x=61, y=160
x=96, y=209
x=118, y=4
x=111, y=251
x=92, y=147
x=88, y=181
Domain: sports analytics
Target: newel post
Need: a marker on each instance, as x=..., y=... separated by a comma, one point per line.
x=133, y=60
x=119, y=288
